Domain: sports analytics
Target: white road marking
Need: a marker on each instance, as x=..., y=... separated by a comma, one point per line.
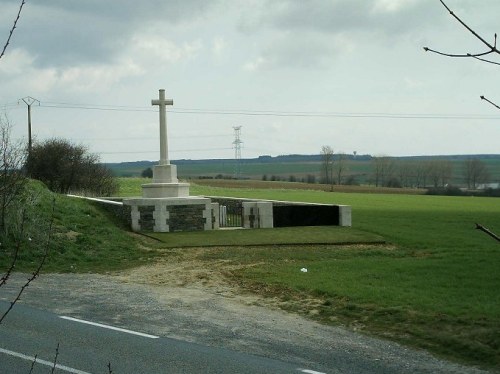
x=110, y=327
x=42, y=362
x=310, y=371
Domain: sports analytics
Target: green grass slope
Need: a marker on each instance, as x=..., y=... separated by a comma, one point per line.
x=84, y=238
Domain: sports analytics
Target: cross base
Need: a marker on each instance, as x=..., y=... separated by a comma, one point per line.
x=165, y=190
x=165, y=174
x=165, y=183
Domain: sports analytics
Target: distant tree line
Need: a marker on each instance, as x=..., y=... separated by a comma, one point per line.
x=309, y=178
x=436, y=173
x=388, y=171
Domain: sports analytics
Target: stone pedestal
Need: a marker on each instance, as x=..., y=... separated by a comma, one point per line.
x=165, y=190
x=165, y=205
x=165, y=183
x=165, y=174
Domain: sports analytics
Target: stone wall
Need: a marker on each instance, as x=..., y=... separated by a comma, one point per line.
x=289, y=213
x=186, y=218
x=173, y=214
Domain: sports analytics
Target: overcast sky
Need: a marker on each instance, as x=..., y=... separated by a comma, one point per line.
x=294, y=74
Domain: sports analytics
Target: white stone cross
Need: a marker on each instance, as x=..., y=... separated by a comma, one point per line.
x=162, y=103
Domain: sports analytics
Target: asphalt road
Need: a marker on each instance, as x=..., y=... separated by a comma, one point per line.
x=198, y=330
x=85, y=347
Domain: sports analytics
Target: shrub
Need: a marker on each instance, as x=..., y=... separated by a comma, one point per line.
x=445, y=191
x=147, y=173
x=65, y=168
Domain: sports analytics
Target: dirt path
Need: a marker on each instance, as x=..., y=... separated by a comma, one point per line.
x=189, y=301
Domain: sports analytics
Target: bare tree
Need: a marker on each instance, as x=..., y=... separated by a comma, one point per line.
x=38, y=232
x=340, y=167
x=11, y=32
x=421, y=174
x=21, y=224
x=440, y=172
x=475, y=172
x=12, y=176
x=383, y=170
x=487, y=56
x=327, y=165
x=405, y=170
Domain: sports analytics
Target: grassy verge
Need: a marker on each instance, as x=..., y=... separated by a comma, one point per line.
x=433, y=285
x=84, y=238
x=268, y=237
x=439, y=303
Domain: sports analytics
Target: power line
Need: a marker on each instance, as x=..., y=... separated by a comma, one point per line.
x=383, y=115
x=174, y=151
x=150, y=138
x=10, y=105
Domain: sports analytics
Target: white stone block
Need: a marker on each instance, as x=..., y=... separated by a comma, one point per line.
x=135, y=215
x=165, y=190
x=165, y=174
x=265, y=209
x=262, y=212
x=216, y=214
x=345, y=215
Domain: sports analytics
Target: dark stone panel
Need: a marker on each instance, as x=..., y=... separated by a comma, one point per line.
x=305, y=215
x=186, y=218
x=146, y=220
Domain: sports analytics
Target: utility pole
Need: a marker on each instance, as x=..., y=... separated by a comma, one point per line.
x=237, y=151
x=29, y=101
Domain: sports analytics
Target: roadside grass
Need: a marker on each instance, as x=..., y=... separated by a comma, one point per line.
x=433, y=285
x=84, y=238
x=407, y=296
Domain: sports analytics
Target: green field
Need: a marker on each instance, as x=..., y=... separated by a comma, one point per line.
x=433, y=285
x=420, y=274
x=300, y=167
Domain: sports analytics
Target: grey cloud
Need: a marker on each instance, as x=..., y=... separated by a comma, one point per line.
x=311, y=33
x=301, y=51
x=60, y=32
x=347, y=15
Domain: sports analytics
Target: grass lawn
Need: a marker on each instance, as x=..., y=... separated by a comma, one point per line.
x=268, y=237
x=435, y=286
x=432, y=284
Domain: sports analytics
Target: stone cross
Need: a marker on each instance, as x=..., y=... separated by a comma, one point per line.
x=162, y=103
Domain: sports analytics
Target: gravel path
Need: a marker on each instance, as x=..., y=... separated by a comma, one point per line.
x=184, y=302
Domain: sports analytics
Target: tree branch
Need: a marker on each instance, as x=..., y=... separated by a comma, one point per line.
x=487, y=231
x=13, y=28
x=492, y=48
x=6, y=277
x=491, y=102
x=55, y=360
x=37, y=271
